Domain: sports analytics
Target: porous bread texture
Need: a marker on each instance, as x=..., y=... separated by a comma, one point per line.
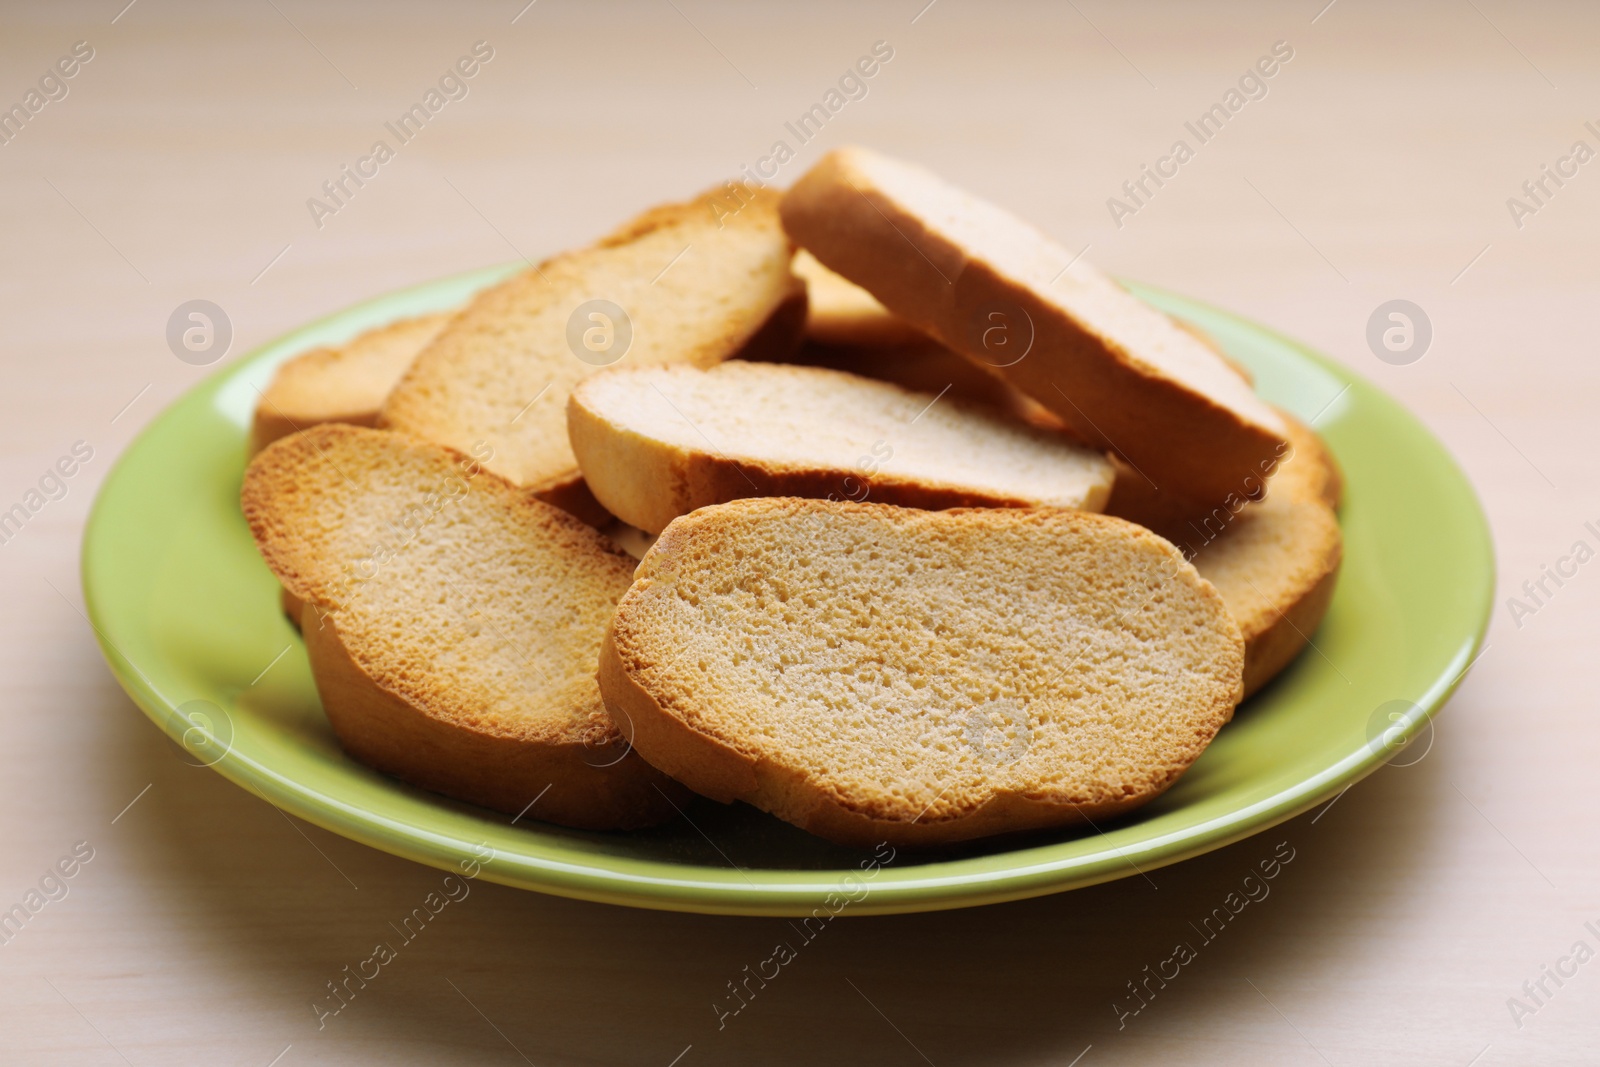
x=657, y=442
x=698, y=282
x=343, y=384
x=872, y=673
x=1275, y=565
x=1122, y=374
x=453, y=623
x=1275, y=561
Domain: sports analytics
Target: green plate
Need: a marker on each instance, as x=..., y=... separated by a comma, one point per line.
x=187, y=615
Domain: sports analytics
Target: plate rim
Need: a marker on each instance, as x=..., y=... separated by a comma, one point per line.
x=776, y=891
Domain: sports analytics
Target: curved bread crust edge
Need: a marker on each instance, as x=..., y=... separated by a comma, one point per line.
x=1319, y=475
x=714, y=768
x=647, y=483
x=394, y=731
x=1269, y=652
x=1274, y=637
x=1309, y=472
x=271, y=422
x=269, y=426
x=382, y=730
x=770, y=338
x=1204, y=445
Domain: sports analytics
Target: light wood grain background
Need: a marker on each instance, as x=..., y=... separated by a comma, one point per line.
x=1377, y=167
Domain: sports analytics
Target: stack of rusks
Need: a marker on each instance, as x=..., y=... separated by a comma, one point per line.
x=865, y=503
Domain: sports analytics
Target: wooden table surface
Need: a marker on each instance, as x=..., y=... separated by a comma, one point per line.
x=1377, y=166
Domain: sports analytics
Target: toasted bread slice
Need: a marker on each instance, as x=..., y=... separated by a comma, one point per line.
x=1201, y=334
x=925, y=366
x=873, y=673
x=657, y=442
x=344, y=384
x=1274, y=561
x=1275, y=565
x=1306, y=471
x=453, y=624
x=696, y=283
x=847, y=329
x=1309, y=471
x=1122, y=374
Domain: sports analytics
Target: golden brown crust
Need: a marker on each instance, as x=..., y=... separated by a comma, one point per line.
x=648, y=481
x=783, y=332
x=1275, y=565
x=1275, y=561
x=572, y=495
x=291, y=605
x=847, y=329
x=601, y=787
x=1189, y=442
x=426, y=634
x=271, y=423
x=344, y=384
x=1269, y=651
x=1201, y=334
x=717, y=770
x=699, y=282
x=693, y=480
x=1309, y=471
x=922, y=364
x=684, y=725
x=1306, y=471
